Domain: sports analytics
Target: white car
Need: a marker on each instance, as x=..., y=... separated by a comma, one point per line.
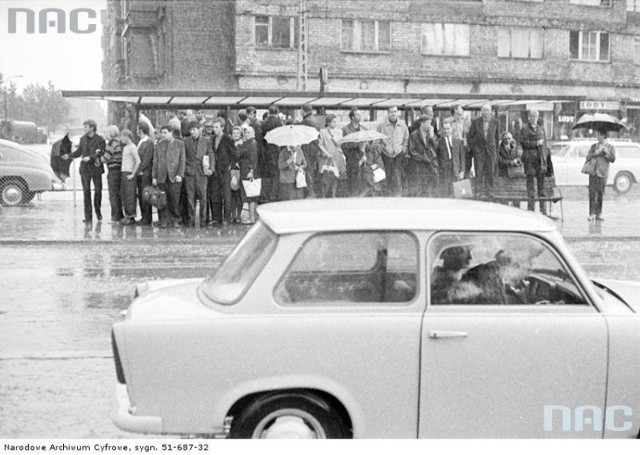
x=569, y=157
x=385, y=318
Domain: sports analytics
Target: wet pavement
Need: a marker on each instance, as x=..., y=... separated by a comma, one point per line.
x=62, y=285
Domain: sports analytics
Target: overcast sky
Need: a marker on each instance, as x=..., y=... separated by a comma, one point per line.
x=71, y=61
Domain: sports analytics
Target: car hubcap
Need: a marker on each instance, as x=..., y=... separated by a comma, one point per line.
x=11, y=195
x=623, y=183
x=289, y=424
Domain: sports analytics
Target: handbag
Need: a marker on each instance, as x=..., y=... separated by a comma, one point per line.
x=301, y=179
x=462, y=189
x=589, y=167
x=516, y=172
x=252, y=188
x=379, y=175
x=235, y=179
x=154, y=196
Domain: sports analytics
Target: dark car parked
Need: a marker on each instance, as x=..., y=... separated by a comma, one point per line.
x=23, y=174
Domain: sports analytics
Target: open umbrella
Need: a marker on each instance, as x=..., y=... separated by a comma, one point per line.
x=599, y=122
x=291, y=135
x=363, y=136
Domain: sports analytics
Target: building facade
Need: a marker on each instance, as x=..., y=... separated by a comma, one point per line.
x=497, y=48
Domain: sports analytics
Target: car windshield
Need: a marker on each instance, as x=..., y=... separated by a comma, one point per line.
x=241, y=268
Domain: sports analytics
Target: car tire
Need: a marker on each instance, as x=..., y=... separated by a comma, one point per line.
x=13, y=192
x=288, y=416
x=623, y=182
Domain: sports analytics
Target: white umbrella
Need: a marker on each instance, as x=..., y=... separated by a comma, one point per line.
x=291, y=135
x=363, y=136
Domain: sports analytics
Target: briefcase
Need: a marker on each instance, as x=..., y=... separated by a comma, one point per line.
x=154, y=196
x=463, y=189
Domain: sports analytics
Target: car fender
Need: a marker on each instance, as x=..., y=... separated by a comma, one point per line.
x=37, y=180
x=286, y=382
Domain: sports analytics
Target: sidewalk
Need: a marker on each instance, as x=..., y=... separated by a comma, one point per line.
x=54, y=218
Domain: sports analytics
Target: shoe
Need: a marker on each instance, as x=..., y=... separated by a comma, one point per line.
x=176, y=225
x=162, y=225
x=591, y=218
x=143, y=223
x=127, y=222
x=599, y=218
x=88, y=221
x=99, y=217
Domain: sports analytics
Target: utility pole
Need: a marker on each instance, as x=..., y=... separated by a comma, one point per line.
x=303, y=41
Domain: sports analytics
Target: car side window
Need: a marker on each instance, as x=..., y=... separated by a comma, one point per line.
x=498, y=269
x=350, y=268
x=583, y=151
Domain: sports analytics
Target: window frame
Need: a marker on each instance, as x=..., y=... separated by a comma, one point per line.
x=351, y=305
x=528, y=29
x=376, y=33
x=444, y=53
x=580, y=3
x=293, y=33
x=581, y=37
x=430, y=267
x=633, y=6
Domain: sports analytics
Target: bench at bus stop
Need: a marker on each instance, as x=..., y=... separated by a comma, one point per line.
x=515, y=189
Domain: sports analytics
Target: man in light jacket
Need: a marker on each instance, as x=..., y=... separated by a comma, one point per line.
x=396, y=148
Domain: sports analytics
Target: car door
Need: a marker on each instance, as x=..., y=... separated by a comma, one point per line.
x=574, y=164
x=559, y=154
x=510, y=346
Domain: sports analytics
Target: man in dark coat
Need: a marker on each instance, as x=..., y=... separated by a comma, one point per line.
x=425, y=111
x=91, y=149
x=311, y=152
x=423, y=161
x=145, y=151
x=272, y=153
x=451, y=161
x=534, y=159
x=483, y=139
x=195, y=175
x=167, y=173
x=352, y=151
x=219, y=192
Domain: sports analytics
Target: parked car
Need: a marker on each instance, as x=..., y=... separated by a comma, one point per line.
x=23, y=174
x=363, y=318
x=569, y=157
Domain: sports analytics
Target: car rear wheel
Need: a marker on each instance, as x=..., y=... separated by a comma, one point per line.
x=622, y=183
x=14, y=192
x=288, y=416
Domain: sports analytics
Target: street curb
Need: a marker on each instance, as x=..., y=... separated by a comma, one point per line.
x=52, y=355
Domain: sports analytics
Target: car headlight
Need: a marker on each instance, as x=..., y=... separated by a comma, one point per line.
x=57, y=185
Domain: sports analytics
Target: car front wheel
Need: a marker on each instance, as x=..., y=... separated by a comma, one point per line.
x=13, y=193
x=622, y=183
x=288, y=416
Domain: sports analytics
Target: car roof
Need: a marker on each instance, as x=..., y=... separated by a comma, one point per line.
x=359, y=214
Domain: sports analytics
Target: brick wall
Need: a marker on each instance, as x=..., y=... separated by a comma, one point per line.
x=556, y=17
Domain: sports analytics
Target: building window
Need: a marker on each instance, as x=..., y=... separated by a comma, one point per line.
x=366, y=36
x=520, y=42
x=445, y=39
x=592, y=2
x=589, y=46
x=276, y=32
x=633, y=5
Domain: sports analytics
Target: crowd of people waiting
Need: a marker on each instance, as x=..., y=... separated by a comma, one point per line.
x=198, y=159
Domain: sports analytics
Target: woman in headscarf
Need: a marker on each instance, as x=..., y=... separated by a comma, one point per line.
x=371, y=165
x=291, y=161
x=331, y=160
x=249, y=169
x=112, y=157
x=235, y=180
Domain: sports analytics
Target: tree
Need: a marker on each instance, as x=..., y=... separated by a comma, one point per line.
x=44, y=105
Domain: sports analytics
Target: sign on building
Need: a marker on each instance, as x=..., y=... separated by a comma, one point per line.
x=599, y=105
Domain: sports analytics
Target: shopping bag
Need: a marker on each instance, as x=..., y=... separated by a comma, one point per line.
x=462, y=189
x=154, y=196
x=252, y=188
x=516, y=172
x=589, y=167
x=235, y=179
x=379, y=175
x=301, y=179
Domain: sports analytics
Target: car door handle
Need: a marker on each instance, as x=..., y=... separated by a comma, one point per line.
x=446, y=334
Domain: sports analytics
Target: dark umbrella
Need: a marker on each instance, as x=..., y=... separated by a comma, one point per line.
x=599, y=122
